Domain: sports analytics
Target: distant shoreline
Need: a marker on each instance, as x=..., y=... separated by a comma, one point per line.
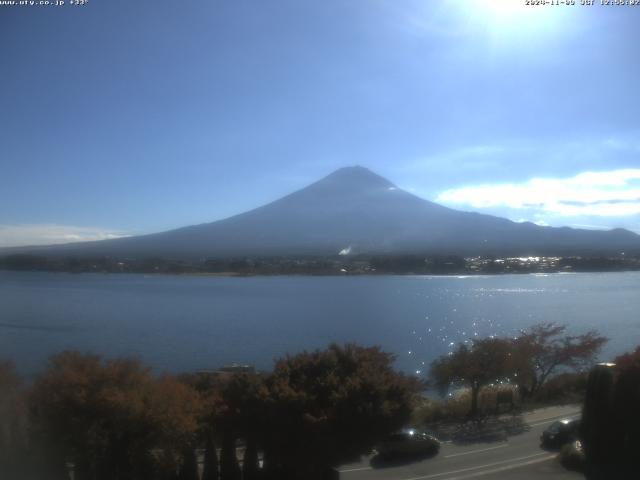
x=333, y=275
x=339, y=265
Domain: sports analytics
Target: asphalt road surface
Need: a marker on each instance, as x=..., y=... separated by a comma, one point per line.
x=513, y=454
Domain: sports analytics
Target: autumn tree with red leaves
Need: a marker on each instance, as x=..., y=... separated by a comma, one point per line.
x=113, y=419
x=329, y=406
x=544, y=349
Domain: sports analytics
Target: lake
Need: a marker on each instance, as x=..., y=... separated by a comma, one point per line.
x=182, y=323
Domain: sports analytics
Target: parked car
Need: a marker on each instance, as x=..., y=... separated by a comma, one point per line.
x=409, y=442
x=560, y=433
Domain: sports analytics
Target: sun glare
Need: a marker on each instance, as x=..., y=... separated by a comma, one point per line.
x=504, y=9
x=512, y=17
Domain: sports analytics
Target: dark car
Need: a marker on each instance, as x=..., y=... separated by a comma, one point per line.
x=560, y=433
x=408, y=442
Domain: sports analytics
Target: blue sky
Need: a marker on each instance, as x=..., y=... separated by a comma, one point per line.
x=123, y=117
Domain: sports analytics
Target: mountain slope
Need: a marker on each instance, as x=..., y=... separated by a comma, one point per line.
x=357, y=209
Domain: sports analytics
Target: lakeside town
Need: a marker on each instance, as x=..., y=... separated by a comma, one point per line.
x=329, y=265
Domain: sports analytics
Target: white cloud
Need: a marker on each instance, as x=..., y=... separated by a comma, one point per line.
x=541, y=223
x=48, y=234
x=611, y=193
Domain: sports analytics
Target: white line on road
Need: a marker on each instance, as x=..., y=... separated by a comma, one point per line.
x=453, y=472
x=359, y=469
x=542, y=422
x=549, y=421
x=355, y=469
x=475, y=451
x=566, y=415
x=503, y=469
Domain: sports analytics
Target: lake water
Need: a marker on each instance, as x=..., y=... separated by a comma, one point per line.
x=182, y=323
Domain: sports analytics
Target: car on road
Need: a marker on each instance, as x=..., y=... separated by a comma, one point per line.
x=408, y=442
x=560, y=433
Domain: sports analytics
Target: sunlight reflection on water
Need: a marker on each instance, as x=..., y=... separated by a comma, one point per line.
x=183, y=323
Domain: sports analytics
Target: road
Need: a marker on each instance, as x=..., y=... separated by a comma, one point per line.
x=514, y=456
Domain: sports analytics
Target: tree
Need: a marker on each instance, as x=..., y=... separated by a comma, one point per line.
x=626, y=413
x=544, y=349
x=13, y=422
x=174, y=413
x=108, y=416
x=628, y=361
x=242, y=416
x=189, y=467
x=210, y=467
x=610, y=427
x=329, y=406
x=208, y=388
x=229, y=468
x=485, y=361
